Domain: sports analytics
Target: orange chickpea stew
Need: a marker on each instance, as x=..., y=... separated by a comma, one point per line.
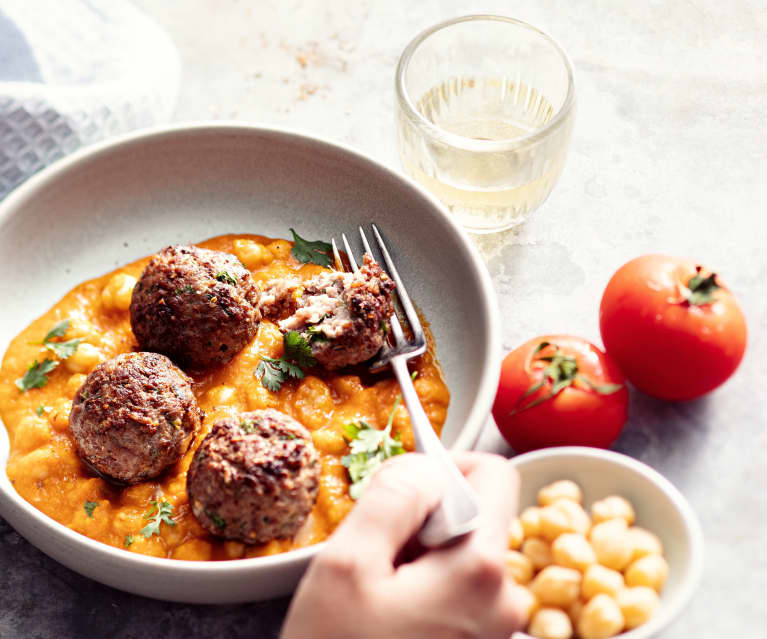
x=211, y=401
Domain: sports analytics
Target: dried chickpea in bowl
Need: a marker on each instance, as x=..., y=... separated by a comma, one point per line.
x=592, y=576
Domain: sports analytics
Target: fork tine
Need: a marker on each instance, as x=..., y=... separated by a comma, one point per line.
x=365, y=241
x=349, y=254
x=407, y=305
x=337, y=255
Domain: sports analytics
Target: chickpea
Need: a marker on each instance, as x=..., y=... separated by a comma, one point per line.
x=280, y=249
x=637, y=605
x=221, y=395
x=516, y=534
x=601, y=618
x=550, y=623
x=73, y=384
x=611, y=543
x=612, y=507
x=117, y=294
x=31, y=432
x=563, y=516
x=562, y=489
x=650, y=571
x=643, y=542
x=573, y=550
x=598, y=579
x=519, y=567
x=537, y=551
x=557, y=586
x=526, y=600
x=531, y=521
x=59, y=416
x=328, y=440
x=252, y=254
x=84, y=359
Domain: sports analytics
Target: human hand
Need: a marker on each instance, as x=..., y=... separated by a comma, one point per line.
x=357, y=587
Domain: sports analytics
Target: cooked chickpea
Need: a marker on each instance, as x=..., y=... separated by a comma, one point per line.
x=84, y=359
x=562, y=489
x=563, y=516
x=573, y=550
x=537, y=551
x=516, y=534
x=252, y=254
x=531, y=521
x=611, y=543
x=650, y=571
x=601, y=618
x=526, y=601
x=598, y=579
x=519, y=567
x=31, y=432
x=557, y=586
x=280, y=249
x=221, y=395
x=73, y=384
x=643, y=542
x=117, y=294
x=328, y=440
x=59, y=416
x=612, y=507
x=637, y=604
x=550, y=623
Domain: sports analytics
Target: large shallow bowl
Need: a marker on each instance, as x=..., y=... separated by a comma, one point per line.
x=659, y=507
x=116, y=202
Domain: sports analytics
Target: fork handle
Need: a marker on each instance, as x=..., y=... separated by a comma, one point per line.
x=458, y=512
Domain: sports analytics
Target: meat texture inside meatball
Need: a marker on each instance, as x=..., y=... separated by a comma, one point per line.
x=197, y=306
x=134, y=416
x=254, y=478
x=343, y=316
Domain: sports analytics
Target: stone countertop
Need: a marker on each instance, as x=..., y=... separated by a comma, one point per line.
x=668, y=155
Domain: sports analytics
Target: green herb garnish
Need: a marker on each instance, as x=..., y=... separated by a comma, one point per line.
x=158, y=513
x=315, y=252
x=223, y=276
x=89, y=507
x=43, y=409
x=36, y=375
x=273, y=371
x=218, y=521
x=248, y=426
x=64, y=350
x=128, y=540
x=58, y=330
x=369, y=448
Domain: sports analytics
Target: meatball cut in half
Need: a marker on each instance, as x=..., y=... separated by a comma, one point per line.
x=343, y=316
x=134, y=416
x=254, y=478
x=199, y=307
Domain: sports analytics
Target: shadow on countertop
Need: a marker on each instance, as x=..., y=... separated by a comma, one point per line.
x=41, y=599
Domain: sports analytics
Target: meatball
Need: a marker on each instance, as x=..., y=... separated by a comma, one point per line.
x=134, y=416
x=343, y=316
x=254, y=478
x=199, y=307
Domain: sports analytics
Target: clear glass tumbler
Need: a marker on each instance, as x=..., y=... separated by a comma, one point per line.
x=485, y=108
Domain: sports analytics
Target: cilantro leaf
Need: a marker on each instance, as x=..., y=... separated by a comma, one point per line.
x=43, y=409
x=128, y=540
x=160, y=512
x=35, y=377
x=89, y=507
x=224, y=276
x=59, y=330
x=64, y=349
x=368, y=449
x=315, y=252
x=298, y=350
x=268, y=371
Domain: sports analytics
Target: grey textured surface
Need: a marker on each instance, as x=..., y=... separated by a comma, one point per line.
x=668, y=155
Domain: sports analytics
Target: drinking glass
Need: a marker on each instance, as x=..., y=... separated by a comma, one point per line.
x=485, y=108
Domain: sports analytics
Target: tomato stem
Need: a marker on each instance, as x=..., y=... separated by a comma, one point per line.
x=700, y=289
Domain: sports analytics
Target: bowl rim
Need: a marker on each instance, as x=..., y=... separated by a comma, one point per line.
x=482, y=401
x=691, y=579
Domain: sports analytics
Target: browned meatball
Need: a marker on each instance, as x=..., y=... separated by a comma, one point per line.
x=254, y=478
x=197, y=306
x=343, y=316
x=134, y=416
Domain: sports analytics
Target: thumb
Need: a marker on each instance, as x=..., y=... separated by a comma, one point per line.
x=400, y=496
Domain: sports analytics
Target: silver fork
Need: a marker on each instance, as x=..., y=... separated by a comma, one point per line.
x=458, y=513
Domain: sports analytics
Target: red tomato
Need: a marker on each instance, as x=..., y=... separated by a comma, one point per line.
x=559, y=390
x=672, y=326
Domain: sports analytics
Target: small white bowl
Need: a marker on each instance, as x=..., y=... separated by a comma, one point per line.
x=659, y=506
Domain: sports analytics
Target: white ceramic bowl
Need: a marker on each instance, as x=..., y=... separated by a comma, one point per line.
x=659, y=506
x=115, y=202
